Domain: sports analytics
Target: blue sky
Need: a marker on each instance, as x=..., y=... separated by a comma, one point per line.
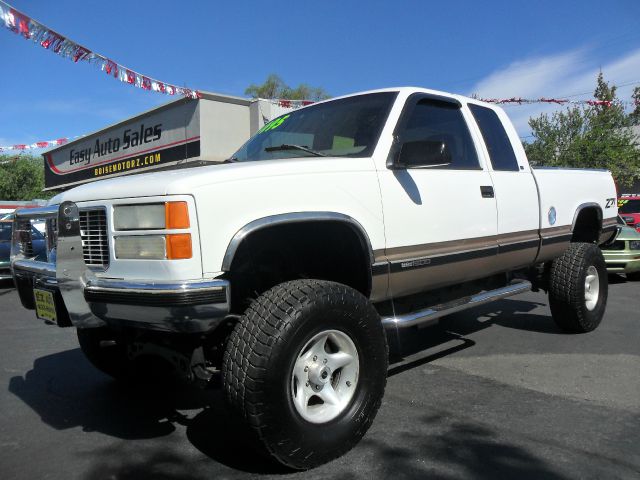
x=492, y=48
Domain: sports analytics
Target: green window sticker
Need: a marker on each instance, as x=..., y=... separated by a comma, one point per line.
x=273, y=124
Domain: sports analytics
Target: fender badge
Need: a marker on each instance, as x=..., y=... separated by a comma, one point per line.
x=416, y=263
x=552, y=216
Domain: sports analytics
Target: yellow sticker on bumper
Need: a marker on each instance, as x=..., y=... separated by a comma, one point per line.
x=45, y=305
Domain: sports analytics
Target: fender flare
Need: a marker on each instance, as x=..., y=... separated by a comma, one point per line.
x=295, y=217
x=584, y=206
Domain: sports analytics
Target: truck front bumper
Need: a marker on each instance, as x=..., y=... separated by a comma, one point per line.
x=84, y=300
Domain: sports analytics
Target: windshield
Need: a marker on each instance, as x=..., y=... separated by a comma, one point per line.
x=628, y=206
x=349, y=127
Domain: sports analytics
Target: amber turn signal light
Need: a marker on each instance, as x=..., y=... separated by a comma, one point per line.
x=176, y=215
x=179, y=246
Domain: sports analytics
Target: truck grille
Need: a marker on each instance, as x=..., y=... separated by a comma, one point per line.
x=95, y=241
x=26, y=245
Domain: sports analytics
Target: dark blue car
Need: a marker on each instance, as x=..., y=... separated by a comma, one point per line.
x=39, y=247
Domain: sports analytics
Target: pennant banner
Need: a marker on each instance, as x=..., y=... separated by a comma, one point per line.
x=289, y=103
x=48, y=39
x=32, y=146
x=558, y=101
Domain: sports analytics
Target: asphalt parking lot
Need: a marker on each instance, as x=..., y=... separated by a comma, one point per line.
x=494, y=392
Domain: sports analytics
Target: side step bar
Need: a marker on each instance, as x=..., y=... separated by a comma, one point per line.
x=427, y=315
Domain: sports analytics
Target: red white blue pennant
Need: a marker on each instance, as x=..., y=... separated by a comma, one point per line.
x=559, y=101
x=21, y=147
x=49, y=39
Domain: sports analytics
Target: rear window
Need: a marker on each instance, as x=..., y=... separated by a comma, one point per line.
x=628, y=206
x=5, y=232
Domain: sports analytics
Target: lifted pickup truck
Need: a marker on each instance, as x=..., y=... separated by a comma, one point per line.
x=283, y=267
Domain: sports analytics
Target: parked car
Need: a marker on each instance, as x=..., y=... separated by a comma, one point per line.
x=623, y=255
x=37, y=248
x=282, y=267
x=629, y=209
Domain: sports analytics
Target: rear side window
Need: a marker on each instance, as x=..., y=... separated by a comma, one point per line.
x=495, y=138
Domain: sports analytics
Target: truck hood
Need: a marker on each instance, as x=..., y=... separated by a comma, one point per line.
x=187, y=180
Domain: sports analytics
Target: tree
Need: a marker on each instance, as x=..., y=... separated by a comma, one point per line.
x=634, y=116
x=22, y=177
x=595, y=136
x=274, y=87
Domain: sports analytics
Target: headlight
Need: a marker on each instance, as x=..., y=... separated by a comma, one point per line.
x=153, y=247
x=634, y=245
x=139, y=217
x=152, y=216
x=155, y=216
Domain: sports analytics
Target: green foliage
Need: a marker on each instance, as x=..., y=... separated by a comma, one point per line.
x=588, y=137
x=274, y=87
x=22, y=177
x=634, y=117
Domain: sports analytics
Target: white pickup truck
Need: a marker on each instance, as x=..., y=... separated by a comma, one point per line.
x=282, y=267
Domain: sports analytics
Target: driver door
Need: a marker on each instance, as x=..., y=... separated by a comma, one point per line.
x=438, y=201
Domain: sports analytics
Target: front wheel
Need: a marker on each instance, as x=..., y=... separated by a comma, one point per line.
x=306, y=367
x=578, y=288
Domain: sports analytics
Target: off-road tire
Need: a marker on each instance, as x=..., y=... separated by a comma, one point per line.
x=567, y=288
x=260, y=355
x=97, y=345
x=633, y=277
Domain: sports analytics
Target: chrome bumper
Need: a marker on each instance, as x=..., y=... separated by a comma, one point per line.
x=89, y=301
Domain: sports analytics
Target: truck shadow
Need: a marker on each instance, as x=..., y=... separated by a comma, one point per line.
x=6, y=286
x=67, y=392
x=507, y=313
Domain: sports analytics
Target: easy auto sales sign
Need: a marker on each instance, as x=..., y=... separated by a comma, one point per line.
x=157, y=139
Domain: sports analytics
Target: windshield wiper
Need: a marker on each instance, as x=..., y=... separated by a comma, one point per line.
x=230, y=160
x=288, y=146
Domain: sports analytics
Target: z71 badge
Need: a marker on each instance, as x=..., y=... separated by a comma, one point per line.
x=610, y=202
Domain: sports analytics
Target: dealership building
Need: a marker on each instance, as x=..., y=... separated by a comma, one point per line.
x=178, y=133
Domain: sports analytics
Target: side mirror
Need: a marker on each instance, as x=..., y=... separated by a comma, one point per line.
x=424, y=153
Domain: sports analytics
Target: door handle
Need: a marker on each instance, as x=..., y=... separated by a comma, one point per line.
x=486, y=191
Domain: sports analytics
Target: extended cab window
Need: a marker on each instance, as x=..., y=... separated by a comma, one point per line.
x=347, y=127
x=495, y=138
x=434, y=134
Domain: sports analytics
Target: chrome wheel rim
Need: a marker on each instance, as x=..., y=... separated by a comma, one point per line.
x=591, y=288
x=325, y=376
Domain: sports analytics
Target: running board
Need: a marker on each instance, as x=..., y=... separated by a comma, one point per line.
x=421, y=317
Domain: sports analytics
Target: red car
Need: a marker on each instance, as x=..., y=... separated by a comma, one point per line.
x=629, y=209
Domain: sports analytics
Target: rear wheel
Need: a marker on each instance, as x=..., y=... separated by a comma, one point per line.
x=306, y=367
x=105, y=352
x=578, y=288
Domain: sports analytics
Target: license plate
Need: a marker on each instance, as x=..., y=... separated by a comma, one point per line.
x=45, y=305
